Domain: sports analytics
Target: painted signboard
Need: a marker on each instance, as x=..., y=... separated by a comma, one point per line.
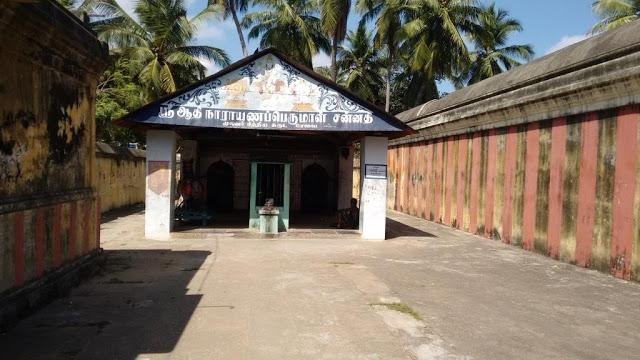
x=267, y=93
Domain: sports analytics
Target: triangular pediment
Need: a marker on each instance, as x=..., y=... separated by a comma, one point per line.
x=268, y=92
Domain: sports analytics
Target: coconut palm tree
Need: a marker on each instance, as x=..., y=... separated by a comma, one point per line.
x=333, y=17
x=492, y=55
x=388, y=20
x=615, y=13
x=434, y=45
x=158, y=46
x=291, y=26
x=360, y=64
x=233, y=8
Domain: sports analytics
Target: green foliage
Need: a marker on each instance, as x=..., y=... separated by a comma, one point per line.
x=361, y=65
x=434, y=45
x=291, y=26
x=401, y=46
x=615, y=13
x=492, y=55
x=150, y=57
x=117, y=95
x=158, y=46
x=333, y=18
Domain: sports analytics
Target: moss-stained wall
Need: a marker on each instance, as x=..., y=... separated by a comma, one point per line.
x=563, y=187
x=121, y=177
x=48, y=210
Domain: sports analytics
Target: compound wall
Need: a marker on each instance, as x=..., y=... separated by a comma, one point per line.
x=545, y=157
x=48, y=203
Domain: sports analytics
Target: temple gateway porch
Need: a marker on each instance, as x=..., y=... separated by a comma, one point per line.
x=264, y=128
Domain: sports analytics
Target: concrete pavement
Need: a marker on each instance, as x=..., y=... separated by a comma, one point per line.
x=428, y=292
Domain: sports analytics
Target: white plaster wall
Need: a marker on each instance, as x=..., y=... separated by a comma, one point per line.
x=373, y=193
x=160, y=183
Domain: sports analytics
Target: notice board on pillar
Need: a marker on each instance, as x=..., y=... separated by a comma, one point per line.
x=375, y=171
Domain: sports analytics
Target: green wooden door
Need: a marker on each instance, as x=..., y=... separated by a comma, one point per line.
x=269, y=180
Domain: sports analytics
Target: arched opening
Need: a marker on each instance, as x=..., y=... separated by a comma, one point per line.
x=220, y=177
x=315, y=184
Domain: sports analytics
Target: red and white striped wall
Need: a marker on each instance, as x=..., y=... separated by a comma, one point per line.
x=39, y=240
x=564, y=187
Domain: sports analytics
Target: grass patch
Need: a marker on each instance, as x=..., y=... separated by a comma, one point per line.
x=400, y=307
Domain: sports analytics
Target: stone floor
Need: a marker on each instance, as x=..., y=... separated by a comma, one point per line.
x=428, y=292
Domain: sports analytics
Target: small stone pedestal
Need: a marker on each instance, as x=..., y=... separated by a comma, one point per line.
x=269, y=221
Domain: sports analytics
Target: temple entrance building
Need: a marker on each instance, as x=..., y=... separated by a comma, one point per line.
x=264, y=128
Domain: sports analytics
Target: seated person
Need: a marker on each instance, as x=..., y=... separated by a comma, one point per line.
x=349, y=218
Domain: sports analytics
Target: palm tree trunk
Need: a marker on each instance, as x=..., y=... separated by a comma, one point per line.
x=387, y=102
x=334, y=55
x=234, y=14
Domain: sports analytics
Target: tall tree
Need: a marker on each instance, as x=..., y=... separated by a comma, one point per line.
x=388, y=20
x=334, y=15
x=615, y=13
x=435, y=46
x=360, y=64
x=291, y=26
x=158, y=47
x=233, y=8
x=116, y=95
x=491, y=53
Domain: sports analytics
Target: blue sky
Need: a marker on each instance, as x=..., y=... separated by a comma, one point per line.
x=548, y=25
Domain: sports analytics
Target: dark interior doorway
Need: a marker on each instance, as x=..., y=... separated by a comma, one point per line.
x=315, y=184
x=220, y=177
x=270, y=184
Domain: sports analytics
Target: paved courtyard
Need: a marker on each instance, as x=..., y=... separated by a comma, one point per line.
x=426, y=293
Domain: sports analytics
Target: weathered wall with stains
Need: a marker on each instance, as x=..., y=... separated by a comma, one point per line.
x=530, y=167
x=121, y=176
x=48, y=206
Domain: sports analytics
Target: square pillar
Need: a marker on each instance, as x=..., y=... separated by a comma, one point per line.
x=373, y=187
x=160, y=184
x=345, y=176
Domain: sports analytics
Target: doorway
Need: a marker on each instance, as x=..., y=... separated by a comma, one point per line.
x=220, y=177
x=315, y=186
x=270, y=180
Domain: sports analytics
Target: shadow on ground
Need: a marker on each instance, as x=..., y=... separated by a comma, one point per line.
x=137, y=304
x=397, y=229
x=112, y=215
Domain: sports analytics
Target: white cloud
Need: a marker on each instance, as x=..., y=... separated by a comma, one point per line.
x=212, y=68
x=215, y=31
x=566, y=41
x=321, y=59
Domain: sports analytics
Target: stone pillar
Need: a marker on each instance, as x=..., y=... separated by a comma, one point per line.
x=373, y=187
x=345, y=176
x=160, y=188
